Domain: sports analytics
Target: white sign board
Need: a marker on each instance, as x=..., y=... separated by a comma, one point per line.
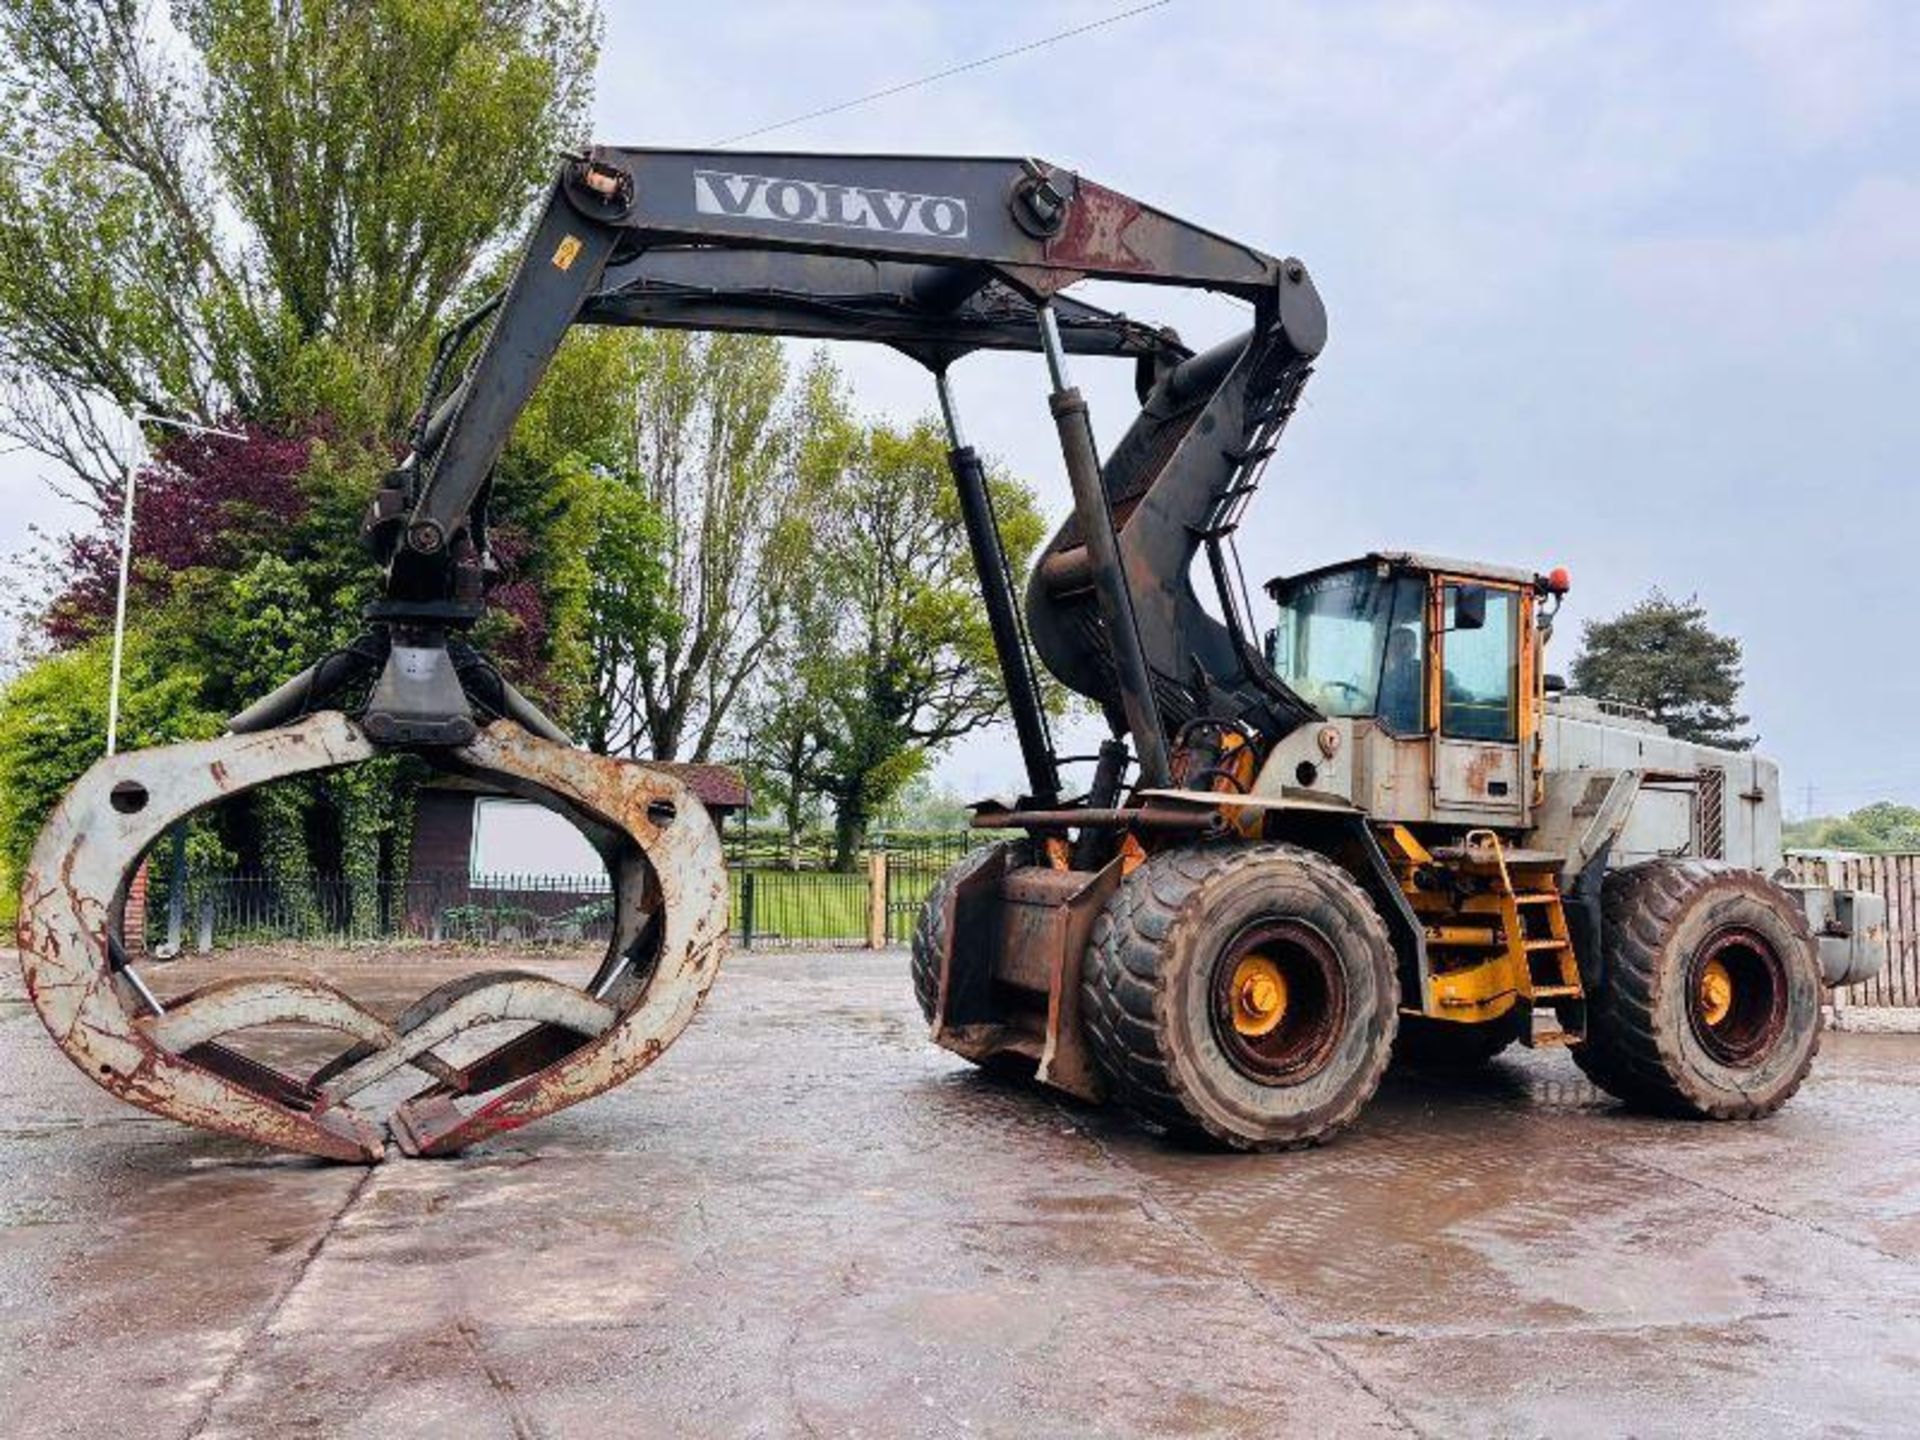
x=518, y=840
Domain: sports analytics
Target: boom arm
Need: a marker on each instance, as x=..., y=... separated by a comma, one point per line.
x=934, y=313
x=938, y=258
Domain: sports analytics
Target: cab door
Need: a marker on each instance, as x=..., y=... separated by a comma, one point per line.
x=1476, y=699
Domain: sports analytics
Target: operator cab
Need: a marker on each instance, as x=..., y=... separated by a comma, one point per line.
x=1437, y=661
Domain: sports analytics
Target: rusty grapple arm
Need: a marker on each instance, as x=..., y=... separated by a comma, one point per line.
x=934, y=257
x=669, y=932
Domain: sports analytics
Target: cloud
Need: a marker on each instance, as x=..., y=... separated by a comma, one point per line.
x=1832, y=68
x=1839, y=283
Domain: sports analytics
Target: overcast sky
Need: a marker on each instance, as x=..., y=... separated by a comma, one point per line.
x=1630, y=288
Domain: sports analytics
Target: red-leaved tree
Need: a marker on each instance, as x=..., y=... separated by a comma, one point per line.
x=202, y=501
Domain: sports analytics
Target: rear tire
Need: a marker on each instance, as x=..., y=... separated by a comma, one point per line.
x=1184, y=1017
x=1448, y=1045
x=1709, y=1001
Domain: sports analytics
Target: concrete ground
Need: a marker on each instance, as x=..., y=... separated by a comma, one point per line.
x=805, y=1220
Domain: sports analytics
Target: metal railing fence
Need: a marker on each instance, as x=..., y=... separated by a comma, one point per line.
x=780, y=895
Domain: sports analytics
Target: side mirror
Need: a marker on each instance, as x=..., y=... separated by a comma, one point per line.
x=1469, y=607
x=1553, y=684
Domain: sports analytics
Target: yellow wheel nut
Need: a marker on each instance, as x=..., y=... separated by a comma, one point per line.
x=1259, y=995
x=1715, y=994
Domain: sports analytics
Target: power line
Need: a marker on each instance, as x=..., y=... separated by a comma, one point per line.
x=948, y=73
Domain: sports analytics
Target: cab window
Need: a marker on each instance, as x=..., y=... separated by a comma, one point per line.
x=1350, y=643
x=1480, y=672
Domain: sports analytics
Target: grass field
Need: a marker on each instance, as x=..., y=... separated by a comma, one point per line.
x=823, y=905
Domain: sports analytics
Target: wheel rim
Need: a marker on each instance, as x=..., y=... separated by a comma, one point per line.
x=1737, y=996
x=1279, y=1001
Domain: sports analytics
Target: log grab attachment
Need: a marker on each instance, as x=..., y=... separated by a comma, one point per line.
x=669, y=932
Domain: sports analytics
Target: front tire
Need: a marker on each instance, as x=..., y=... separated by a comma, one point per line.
x=1242, y=993
x=1709, y=1001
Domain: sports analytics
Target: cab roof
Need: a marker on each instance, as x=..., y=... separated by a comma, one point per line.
x=1413, y=560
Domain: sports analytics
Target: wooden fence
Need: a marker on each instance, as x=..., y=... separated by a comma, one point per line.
x=1898, y=878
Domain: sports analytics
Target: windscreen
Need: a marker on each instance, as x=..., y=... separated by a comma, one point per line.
x=1339, y=633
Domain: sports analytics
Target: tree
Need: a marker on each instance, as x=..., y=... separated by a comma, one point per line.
x=264, y=213
x=719, y=443
x=260, y=211
x=925, y=807
x=581, y=548
x=612, y=547
x=1662, y=656
x=785, y=731
x=895, y=658
x=246, y=567
x=1880, y=828
x=245, y=573
x=53, y=726
x=205, y=503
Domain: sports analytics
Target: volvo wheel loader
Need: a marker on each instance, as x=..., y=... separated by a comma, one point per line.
x=1449, y=857
x=1376, y=824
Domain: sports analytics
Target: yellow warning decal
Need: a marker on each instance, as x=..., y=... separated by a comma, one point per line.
x=566, y=253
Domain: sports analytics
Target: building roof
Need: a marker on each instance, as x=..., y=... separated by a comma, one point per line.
x=719, y=787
